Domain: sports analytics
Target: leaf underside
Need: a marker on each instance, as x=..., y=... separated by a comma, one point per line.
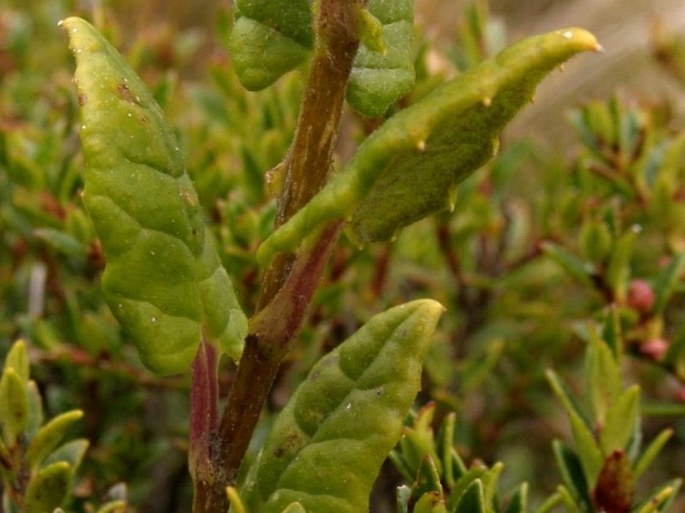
x=163, y=281
x=410, y=167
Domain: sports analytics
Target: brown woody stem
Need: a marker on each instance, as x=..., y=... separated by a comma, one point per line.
x=290, y=282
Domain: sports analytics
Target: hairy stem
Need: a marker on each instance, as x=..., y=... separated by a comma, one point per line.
x=310, y=156
x=290, y=282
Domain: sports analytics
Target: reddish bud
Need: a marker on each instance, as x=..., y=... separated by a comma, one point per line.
x=654, y=348
x=680, y=395
x=640, y=296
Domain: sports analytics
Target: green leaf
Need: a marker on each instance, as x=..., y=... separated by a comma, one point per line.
x=618, y=268
x=577, y=268
x=621, y=421
x=382, y=75
x=571, y=472
x=326, y=447
x=427, y=479
x=417, y=444
x=49, y=488
x=269, y=39
x=603, y=376
x=409, y=168
x=18, y=359
x=452, y=466
x=35, y=402
x=430, y=502
x=490, y=480
x=14, y=405
x=612, y=332
x=651, y=452
x=49, y=436
x=667, y=281
x=295, y=507
x=568, y=401
x=473, y=474
x=472, y=500
x=163, y=279
x=71, y=453
x=519, y=501
x=661, y=498
x=589, y=453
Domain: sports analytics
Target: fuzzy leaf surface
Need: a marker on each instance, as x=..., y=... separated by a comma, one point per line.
x=164, y=281
x=410, y=167
x=327, y=445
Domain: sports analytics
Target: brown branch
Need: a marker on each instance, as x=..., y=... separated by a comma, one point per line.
x=290, y=282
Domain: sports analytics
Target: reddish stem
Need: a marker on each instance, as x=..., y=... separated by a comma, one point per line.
x=204, y=417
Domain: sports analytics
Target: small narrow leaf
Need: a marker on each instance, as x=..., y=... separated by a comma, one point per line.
x=577, y=268
x=446, y=452
x=14, y=405
x=519, y=501
x=163, y=280
x=621, y=421
x=661, y=498
x=612, y=334
x=35, y=402
x=651, y=452
x=667, y=281
x=18, y=359
x=427, y=479
x=603, y=376
x=589, y=453
x=49, y=436
x=472, y=500
x=406, y=169
x=71, y=453
x=326, y=447
x=472, y=475
x=618, y=269
x=49, y=488
x=572, y=472
x=430, y=502
x=568, y=401
x=384, y=73
x=490, y=480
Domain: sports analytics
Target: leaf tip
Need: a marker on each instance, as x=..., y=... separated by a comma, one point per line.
x=584, y=39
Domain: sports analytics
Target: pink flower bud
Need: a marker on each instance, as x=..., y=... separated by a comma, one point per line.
x=654, y=348
x=640, y=296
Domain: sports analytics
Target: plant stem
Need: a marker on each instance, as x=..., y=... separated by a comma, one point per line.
x=310, y=156
x=204, y=418
x=290, y=282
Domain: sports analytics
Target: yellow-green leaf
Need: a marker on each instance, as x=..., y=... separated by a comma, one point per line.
x=409, y=168
x=164, y=281
x=328, y=444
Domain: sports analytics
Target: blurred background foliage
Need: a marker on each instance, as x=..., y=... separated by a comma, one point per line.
x=577, y=221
